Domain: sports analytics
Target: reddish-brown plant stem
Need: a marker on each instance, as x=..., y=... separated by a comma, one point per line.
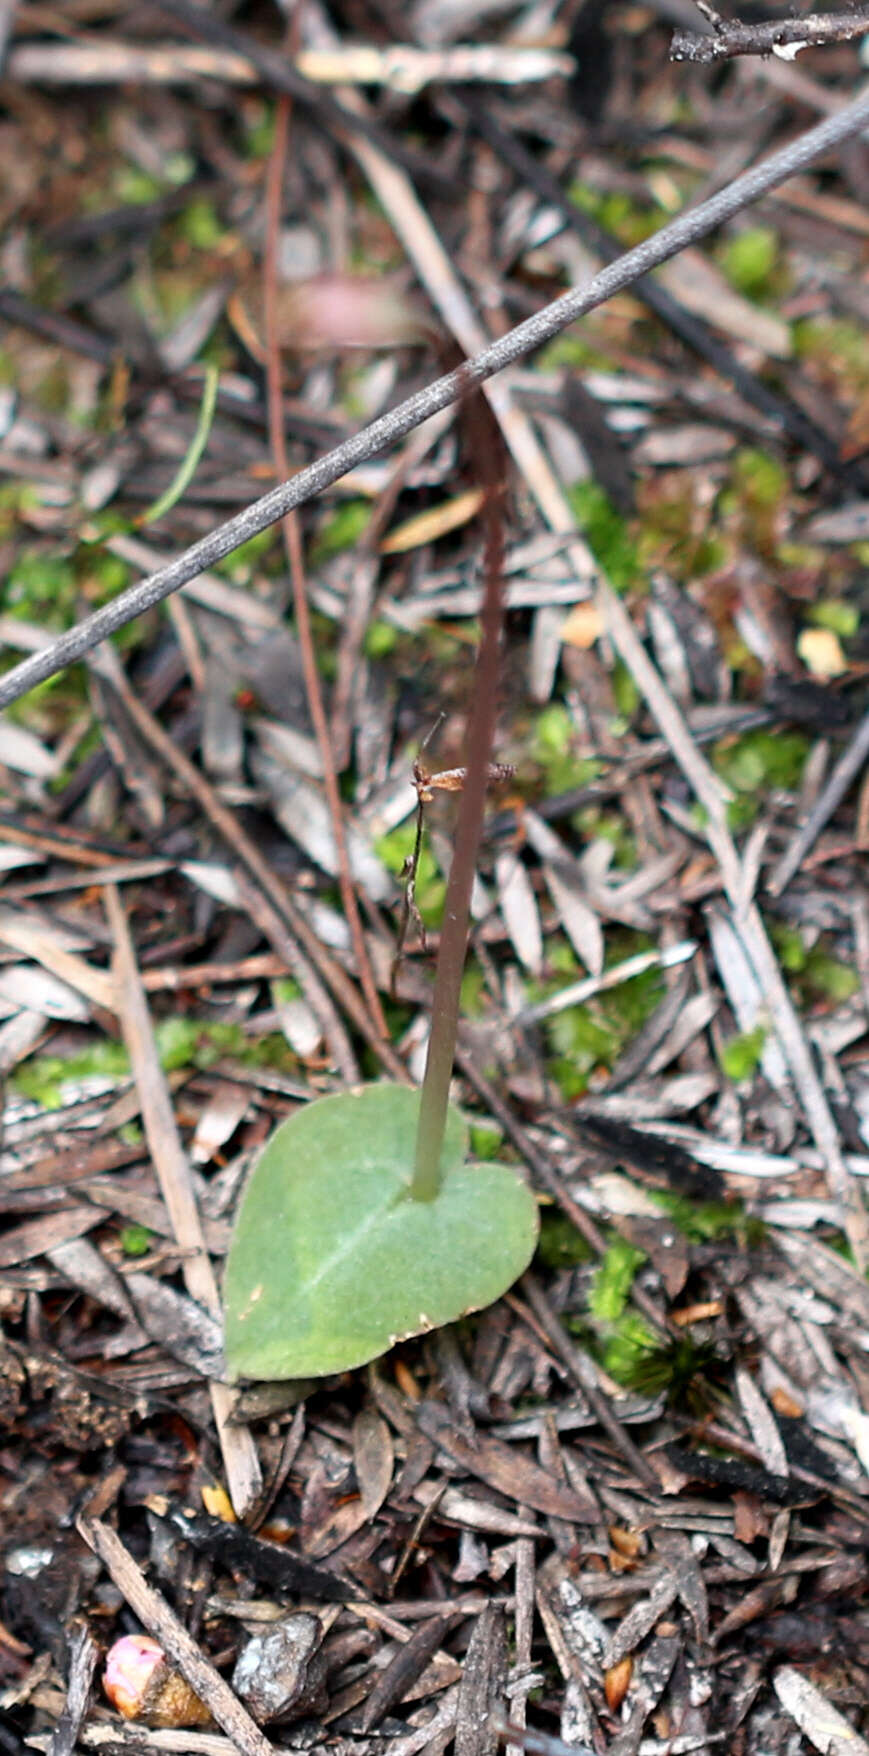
x=434, y=1099
x=295, y=558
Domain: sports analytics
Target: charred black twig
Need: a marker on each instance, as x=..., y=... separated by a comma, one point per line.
x=782, y=36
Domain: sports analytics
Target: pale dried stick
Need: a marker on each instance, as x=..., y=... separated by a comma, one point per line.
x=846, y=770
x=401, y=66
x=28, y=935
x=817, y=1718
x=243, y=1474
x=747, y=920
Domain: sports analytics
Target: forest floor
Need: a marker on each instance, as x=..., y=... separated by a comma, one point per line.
x=627, y=1506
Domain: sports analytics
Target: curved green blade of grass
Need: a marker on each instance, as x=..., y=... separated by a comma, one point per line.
x=190, y=462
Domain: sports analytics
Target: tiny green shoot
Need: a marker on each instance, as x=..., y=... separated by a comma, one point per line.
x=190, y=463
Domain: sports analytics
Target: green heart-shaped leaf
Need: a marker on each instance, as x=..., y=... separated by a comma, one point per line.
x=332, y=1261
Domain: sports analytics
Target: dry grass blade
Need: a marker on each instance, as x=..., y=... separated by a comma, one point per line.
x=173, y=1174
x=846, y=771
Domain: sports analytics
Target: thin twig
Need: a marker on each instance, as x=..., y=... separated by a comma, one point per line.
x=846, y=770
x=293, y=543
x=380, y=434
x=243, y=1474
x=782, y=36
x=691, y=329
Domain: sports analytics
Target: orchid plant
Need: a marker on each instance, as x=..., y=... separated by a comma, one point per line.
x=364, y=1221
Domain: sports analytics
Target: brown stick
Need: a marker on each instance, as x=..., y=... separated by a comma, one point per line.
x=295, y=557
x=783, y=36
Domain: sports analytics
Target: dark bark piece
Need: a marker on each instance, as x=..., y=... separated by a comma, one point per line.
x=726, y=1472
x=187, y=1331
x=481, y=1691
x=803, y=701
x=654, y=1673
x=58, y=1169
x=575, y=1632
x=505, y=1469
x=641, y=1619
x=234, y=1547
x=651, y=1155
x=373, y=1459
x=36, y=1236
x=689, y=1579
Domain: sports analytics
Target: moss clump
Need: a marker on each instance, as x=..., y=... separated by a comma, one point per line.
x=552, y=748
x=740, y=1056
x=750, y=261
x=607, y=534
x=342, y=531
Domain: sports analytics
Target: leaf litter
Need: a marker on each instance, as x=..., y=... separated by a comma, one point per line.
x=625, y=1507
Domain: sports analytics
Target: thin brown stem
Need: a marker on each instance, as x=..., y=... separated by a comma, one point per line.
x=295, y=558
x=434, y=1099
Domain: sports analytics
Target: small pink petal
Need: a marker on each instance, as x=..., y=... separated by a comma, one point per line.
x=129, y=1673
x=348, y=311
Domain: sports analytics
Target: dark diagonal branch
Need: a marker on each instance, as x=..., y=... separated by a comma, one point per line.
x=783, y=36
x=515, y=345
